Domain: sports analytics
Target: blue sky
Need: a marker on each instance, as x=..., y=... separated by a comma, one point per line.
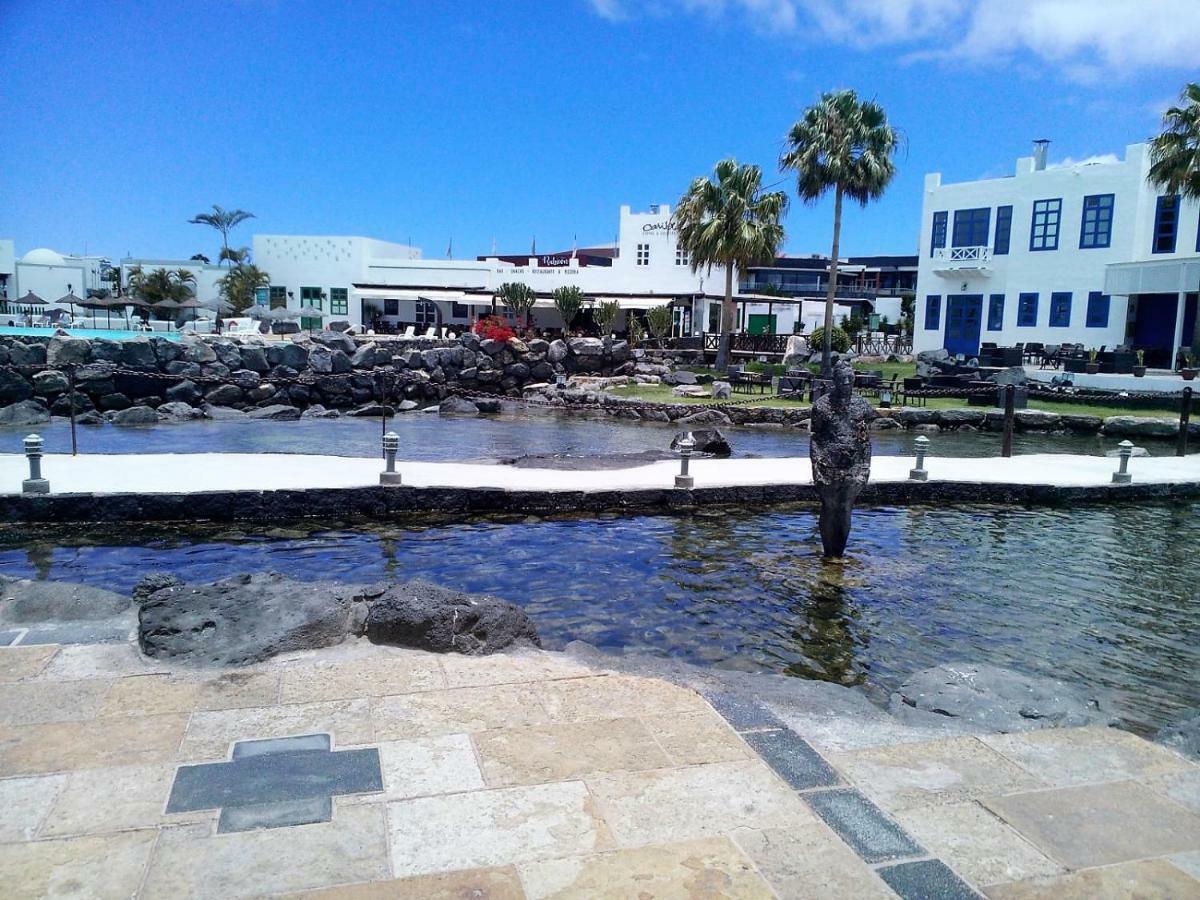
x=481, y=121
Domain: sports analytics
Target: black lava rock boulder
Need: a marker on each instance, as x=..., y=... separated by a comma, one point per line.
x=428, y=617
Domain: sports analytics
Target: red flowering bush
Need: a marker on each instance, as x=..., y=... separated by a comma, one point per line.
x=493, y=328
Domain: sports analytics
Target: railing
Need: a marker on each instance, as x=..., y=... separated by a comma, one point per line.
x=961, y=257
x=818, y=292
x=767, y=344
x=876, y=344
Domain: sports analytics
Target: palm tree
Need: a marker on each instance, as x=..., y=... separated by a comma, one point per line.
x=845, y=144
x=730, y=222
x=234, y=256
x=159, y=284
x=222, y=220
x=240, y=284
x=1175, y=157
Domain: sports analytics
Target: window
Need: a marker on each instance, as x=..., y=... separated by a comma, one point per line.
x=1096, y=229
x=1166, y=225
x=278, y=297
x=995, y=312
x=643, y=254
x=1003, y=230
x=391, y=307
x=339, y=301
x=1097, y=311
x=714, y=317
x=938, y=238
x=426, y=313
x=1060, y=309
x=681, y=257
x=933, y=312
x=971, y=227
x=1027, y=310
x=460, y=310
x=1043, y=234
x=311, y=296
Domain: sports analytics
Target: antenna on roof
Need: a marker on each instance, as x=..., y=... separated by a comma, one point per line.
x=533, y=247
x=450, y=248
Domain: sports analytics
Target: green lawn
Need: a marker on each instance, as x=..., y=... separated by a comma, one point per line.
x=661, y=393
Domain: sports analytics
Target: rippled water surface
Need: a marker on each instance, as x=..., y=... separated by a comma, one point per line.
x=1105, y=598
x=427, y=436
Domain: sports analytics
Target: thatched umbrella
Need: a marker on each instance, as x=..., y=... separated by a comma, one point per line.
x=30, y=299
x=70, y=300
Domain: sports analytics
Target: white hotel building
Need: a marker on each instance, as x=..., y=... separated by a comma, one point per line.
x=364, y=281
x=1088, y=254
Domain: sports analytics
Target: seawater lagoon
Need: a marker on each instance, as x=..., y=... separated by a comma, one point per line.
x=1105, y=598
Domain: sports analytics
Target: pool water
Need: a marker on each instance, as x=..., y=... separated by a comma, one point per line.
x=112, y=334
x=1107, y=599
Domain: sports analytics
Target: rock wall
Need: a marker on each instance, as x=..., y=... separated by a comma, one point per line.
x=137, y=381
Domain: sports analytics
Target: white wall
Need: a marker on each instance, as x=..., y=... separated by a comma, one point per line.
x=75, y=274
x=1069, y=268
x=296, y=260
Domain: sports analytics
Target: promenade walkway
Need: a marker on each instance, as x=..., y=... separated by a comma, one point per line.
x=372, y=772
x=187, y=473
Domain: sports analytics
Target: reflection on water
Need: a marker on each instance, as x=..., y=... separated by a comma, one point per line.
x=429, y=437
x=1102, y=597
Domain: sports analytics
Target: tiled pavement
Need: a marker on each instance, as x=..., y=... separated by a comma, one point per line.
x=418, y=776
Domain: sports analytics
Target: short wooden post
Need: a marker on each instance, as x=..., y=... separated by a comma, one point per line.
x=1009, y=396
x=1185, y=414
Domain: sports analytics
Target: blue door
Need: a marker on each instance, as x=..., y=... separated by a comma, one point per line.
x=964, y=312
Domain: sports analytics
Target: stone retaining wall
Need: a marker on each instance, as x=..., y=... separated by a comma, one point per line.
x=124, y=380
x=387, y=503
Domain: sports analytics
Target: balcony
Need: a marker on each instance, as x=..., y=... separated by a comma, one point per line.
x=962, y=259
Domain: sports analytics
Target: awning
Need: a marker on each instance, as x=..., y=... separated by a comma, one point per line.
x=647, y=302
x=1160, y=276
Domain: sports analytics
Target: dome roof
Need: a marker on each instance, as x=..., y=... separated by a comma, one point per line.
x=43, y=256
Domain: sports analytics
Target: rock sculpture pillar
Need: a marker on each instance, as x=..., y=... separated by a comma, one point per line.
x=841, y=456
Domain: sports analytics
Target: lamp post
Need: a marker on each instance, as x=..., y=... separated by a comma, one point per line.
x=683, y=479
x=35, y=483
x=1122, y=475
x=391, y=443
x=919, y=473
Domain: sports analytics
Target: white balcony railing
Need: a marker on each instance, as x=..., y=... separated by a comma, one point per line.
x=957, y=258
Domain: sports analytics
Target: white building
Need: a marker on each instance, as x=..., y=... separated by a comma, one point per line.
x=48, y=274
x=361, y=280
x=1087, y=254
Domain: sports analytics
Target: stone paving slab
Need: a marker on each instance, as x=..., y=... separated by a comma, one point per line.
x=534, y=775
x=1064, y=757
x=947, y=771
x=1096, y=825
x=1153, y=879
x=976, y=843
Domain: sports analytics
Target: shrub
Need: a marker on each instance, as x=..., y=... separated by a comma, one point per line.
x=659, y=320
x=838, y=339
x=493, y=328
x=568, y=300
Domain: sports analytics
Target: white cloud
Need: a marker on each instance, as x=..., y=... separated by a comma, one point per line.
x=1086, y=40
x=1100, y=159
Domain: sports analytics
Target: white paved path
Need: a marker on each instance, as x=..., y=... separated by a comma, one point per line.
x=186, y=473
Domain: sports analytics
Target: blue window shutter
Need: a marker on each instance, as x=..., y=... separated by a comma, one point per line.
x=995, y=312
x=1003, y=230
x=1060, y=309
x=1166, y=224
x=933, y=312
x=1027, y=305
x=1097, y=309
x=938, y=237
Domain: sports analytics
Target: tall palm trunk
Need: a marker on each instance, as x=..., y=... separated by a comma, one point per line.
x=726, y=336
x=827, y=348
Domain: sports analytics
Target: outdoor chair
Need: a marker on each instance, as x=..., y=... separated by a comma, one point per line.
x=1051, y=356
x=907, y=395
x=430, y=332
x=410, y=332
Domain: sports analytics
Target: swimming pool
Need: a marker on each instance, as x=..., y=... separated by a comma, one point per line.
x=112, y=334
